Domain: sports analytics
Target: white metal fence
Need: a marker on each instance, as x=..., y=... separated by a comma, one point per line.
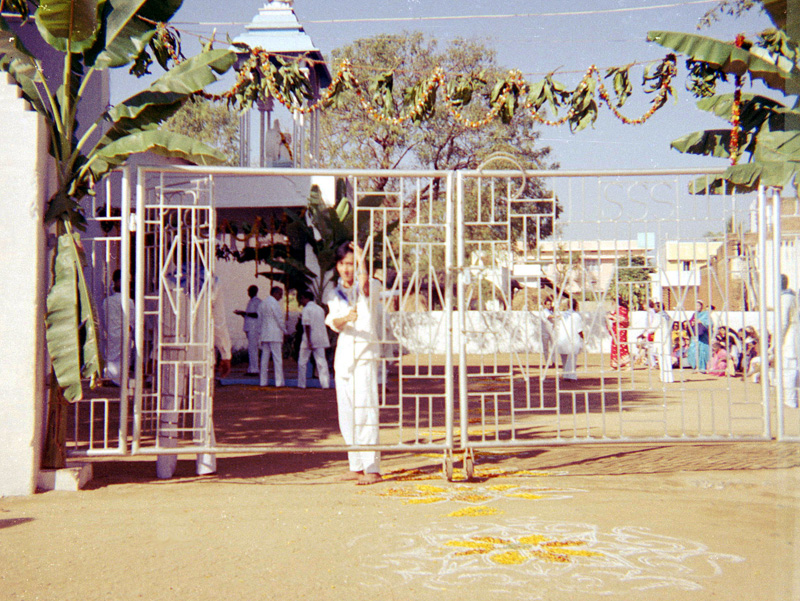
x=470, y=355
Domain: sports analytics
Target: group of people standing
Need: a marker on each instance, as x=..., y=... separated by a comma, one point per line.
x=265, y=327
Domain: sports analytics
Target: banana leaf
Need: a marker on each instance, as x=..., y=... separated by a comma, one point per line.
x=123, y=38
x=712, y=142
x=70, y=25
x=195, y=73
x=729, y=58
x=69, y=318
x=160, y=142
x=17, y=61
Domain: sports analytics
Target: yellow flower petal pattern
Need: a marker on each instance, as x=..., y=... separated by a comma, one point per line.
x=473, y=512
x=520, y=550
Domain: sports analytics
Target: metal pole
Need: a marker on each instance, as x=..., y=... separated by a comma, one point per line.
x=462, y=314
x=448, y=311
x=762, y=309
x=776, y=287
x=139, y=309
x=125, y=282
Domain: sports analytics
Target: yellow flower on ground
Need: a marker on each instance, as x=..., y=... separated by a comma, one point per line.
x=479, y=510
x=525, y=548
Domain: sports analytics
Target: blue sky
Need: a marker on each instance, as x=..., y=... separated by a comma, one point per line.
x=612, y=33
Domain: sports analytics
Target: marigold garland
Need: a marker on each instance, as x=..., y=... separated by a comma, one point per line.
x=736, y=109
x=259, y=64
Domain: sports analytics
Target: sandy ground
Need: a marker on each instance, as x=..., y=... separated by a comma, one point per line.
x=614, y=521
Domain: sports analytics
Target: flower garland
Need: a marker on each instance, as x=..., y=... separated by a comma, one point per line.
x=736, y=109
x=258, y=78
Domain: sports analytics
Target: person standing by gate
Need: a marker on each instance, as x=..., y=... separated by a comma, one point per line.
x=699, y=352
x=354, y=313
x=569, y=339
x=546, y=323
x=617, y=325
x=252, y=329
x=272, y=328
x=113, y=307
x=176, y=387
x=315, y=341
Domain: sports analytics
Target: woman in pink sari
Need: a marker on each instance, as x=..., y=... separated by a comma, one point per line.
x=617, y=324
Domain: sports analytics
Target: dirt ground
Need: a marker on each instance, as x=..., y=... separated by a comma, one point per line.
x=606, y=521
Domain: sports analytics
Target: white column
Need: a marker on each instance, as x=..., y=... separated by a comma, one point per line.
x=24, y=165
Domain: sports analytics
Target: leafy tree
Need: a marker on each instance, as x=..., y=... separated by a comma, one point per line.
x=94, y=35
x=322, y=229
x=632, y=281
x=766, y=129
x=210, y=122
x=399, y=70
x=351, y=138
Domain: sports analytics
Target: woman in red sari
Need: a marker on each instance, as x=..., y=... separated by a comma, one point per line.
x=617, y=324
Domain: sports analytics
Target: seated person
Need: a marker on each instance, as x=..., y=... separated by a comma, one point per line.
x=719, y=360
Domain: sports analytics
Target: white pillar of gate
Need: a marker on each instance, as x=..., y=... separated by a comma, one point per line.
x=24, y=165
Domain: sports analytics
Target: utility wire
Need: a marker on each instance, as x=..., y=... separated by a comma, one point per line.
x=576, y=13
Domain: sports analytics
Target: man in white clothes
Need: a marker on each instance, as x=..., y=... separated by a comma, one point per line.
x=175, y=383
x=315, y=341
x=569, y=339
x=790, y=343
x=272, y=327
x=546, y=321
x=113, y=308
x=251, y=329
x=355, y=314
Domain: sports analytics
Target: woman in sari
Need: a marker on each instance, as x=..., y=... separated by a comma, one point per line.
x=699, y=352
x=617, y=324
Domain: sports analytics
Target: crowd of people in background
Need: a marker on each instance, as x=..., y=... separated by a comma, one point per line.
x=702, y=344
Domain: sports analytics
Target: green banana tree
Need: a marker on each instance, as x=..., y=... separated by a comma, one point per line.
x=768, y=130
x=328, y=228
x=92, y=36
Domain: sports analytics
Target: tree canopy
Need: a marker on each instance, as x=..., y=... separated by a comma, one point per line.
x=352, y=138
x=396, y=67
x=210, y=122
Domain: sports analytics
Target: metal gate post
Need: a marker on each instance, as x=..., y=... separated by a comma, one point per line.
x=448, y=313
x=125, y=277
x=139, y=308
x=776, y=295
x=462, y=316
x=762, y=308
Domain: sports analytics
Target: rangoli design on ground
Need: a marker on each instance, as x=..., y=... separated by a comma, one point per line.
x=480, y=473
x=423, y=494
x=533, y=559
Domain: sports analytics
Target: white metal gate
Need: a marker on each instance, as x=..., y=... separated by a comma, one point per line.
x=467, y=260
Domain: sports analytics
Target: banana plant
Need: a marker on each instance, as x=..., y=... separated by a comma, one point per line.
x=92, y=36
x=768, y=130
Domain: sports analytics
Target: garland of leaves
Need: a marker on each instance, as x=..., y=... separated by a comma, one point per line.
x=266, y=75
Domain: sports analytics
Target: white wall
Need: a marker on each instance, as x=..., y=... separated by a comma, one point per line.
x=24, y=168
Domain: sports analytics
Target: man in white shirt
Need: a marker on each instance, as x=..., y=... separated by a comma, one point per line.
x=546, y=321
x=272, y=327
x=252, y=329
x=315, y=341
x=569, y=339
x=113, y=308
x=354, y=312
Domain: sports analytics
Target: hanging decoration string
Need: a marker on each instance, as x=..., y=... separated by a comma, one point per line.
x=736, y=110
x=263, y=75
